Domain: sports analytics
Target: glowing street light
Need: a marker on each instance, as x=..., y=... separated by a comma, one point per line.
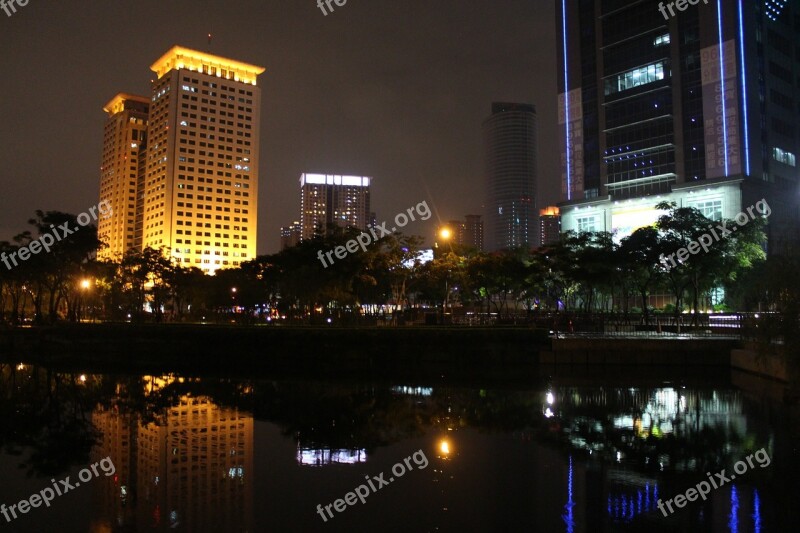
x=444, y=448
x=445, y=234
x=85, y=285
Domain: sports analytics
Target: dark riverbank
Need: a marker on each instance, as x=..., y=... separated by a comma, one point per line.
x=399, y=353
x=422, y=354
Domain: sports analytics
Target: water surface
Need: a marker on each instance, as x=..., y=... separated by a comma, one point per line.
x=563, y=455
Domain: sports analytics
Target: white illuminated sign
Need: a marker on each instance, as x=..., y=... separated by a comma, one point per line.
x=332, y=179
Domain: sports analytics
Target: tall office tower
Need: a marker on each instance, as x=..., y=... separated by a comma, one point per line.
x=331, y=200
x=511, y=174
x=549, y=226
x=695, y=105
x=201, y=186
x=124, y=142
x=291, y=235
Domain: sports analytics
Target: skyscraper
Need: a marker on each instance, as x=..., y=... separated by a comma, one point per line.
x=697, y=108
x=200, y=193
x=331, y=200
x=511, y=174
x=124, y=140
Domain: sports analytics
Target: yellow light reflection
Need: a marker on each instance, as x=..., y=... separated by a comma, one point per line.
x=444, y=447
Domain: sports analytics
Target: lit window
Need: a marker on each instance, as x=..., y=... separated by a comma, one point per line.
x=711, y=209
x=782, y=156
x=634, y=78
x=586, y=224
x=661, y=40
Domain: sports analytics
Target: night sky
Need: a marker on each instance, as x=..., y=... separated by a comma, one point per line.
x=396, y=90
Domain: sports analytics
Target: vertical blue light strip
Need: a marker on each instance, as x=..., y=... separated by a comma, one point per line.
x=566, y=97
x=722, y=81
x=744, y=89
x=756, y=512
x=569, y=515
x=733, y=518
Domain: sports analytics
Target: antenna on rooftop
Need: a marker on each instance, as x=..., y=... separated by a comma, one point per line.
x=210, y=25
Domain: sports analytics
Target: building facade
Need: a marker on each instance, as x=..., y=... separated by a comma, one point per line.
x=698, y=108
x=191, y=174
x=291, y=235
x=124, y=145
x=467, y=232
x=549, y=226
x=472, y=232
x=328, y=200
x=511, y=176
x=201, y=186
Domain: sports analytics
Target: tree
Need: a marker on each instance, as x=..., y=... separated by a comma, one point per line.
x=640, y=254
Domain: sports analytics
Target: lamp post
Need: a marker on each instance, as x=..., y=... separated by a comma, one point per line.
x=446, y=235
x=86, y=284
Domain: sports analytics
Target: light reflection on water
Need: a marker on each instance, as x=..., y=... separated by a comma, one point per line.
x=204, y=454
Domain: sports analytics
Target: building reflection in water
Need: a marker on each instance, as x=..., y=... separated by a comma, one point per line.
x=622, y=434
x=185, y=462
x=326, y=456
x=190, y=467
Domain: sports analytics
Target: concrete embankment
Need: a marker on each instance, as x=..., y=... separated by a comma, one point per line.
x=499, y=354
x=767, y=361
x=493, y=353
x=642, y=352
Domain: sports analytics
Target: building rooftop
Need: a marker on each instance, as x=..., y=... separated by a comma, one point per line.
x=117, y=104
x=179, y=57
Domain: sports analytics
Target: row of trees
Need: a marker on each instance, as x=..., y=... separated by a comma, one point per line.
x=585, y=272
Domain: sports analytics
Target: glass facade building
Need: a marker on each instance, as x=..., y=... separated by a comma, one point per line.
x=698, y=107
x=511, y=174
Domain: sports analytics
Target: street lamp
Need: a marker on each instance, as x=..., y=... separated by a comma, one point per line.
x=446, y=235
x=86, y=284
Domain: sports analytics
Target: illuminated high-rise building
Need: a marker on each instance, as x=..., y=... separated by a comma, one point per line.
x=200, y=191
x=331, y=200
x=698, y=108
x=291, y=235
x=124, y=143
x=511, y=174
